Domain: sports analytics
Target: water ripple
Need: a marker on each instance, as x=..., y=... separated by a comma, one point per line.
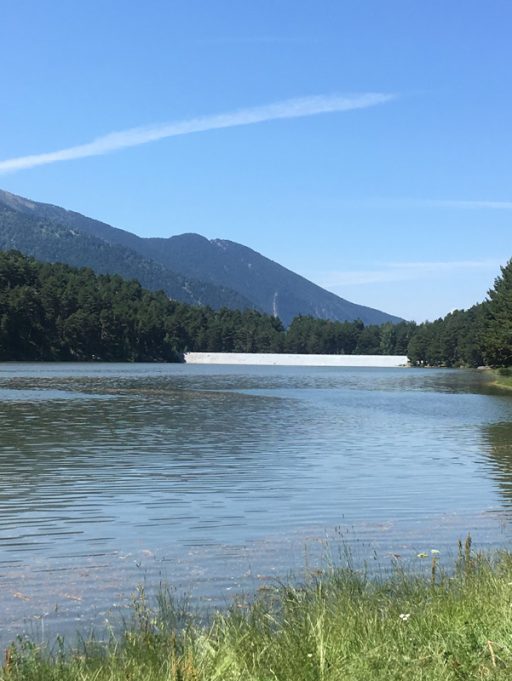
x=206, y=474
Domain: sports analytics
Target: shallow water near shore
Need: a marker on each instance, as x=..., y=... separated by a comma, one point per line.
x=217, y=479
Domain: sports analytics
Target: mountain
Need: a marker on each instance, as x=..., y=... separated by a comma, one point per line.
x=270, y=286
x=49, y=233
x=188, y=267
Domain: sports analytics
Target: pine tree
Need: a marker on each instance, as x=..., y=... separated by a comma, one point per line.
x=497, y=335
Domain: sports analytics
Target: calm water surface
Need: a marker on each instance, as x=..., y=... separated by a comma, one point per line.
x=217, y=479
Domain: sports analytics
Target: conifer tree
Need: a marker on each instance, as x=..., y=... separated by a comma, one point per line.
x=497, y=337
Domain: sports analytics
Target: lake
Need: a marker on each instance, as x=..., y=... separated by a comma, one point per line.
x=218, y=479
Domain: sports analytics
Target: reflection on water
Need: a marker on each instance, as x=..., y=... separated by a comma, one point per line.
x=498, y=437
x=218, y=477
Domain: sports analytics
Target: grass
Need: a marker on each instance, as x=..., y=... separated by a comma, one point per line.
x=339, y=626
x=503, y=377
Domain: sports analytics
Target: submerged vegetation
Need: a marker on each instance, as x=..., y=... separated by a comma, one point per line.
x=339, y=625
x=57, y=312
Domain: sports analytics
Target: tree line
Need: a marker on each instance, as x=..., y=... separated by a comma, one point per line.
x=481, y=335
x=58, y=312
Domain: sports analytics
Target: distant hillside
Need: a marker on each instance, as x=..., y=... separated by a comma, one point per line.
x=270, y=286
x=188, y=267
x=41, y=235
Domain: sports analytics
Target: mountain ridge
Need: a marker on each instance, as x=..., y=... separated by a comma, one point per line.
x=50, y=240
x=190, y=267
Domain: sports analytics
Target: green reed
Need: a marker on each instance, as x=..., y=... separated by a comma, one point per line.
x=442, y=625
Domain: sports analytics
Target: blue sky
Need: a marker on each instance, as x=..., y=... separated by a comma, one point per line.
x=399, y=198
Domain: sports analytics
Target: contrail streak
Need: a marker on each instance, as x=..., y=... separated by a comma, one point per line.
x=291, y=108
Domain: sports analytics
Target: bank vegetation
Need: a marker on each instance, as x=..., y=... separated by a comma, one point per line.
x=454, y=626
x=57, y=312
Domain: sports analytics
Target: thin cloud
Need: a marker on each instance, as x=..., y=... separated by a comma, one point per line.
x=291, y=108
x=405, y=271
x=464, y=204
x=259, y=40
x=494, y=205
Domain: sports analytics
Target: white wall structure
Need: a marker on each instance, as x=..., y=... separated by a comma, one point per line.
x=274, y=359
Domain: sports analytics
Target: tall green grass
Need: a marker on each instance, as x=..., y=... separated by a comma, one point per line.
x=340, y=625
x=503, y=377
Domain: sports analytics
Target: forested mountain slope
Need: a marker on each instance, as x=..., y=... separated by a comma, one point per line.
x=188, y=267
x=43, y=236
x=270, y=286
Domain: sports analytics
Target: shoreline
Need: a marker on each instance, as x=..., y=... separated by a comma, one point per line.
x=286, y=359
x=502, y=382
x=338, y=623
